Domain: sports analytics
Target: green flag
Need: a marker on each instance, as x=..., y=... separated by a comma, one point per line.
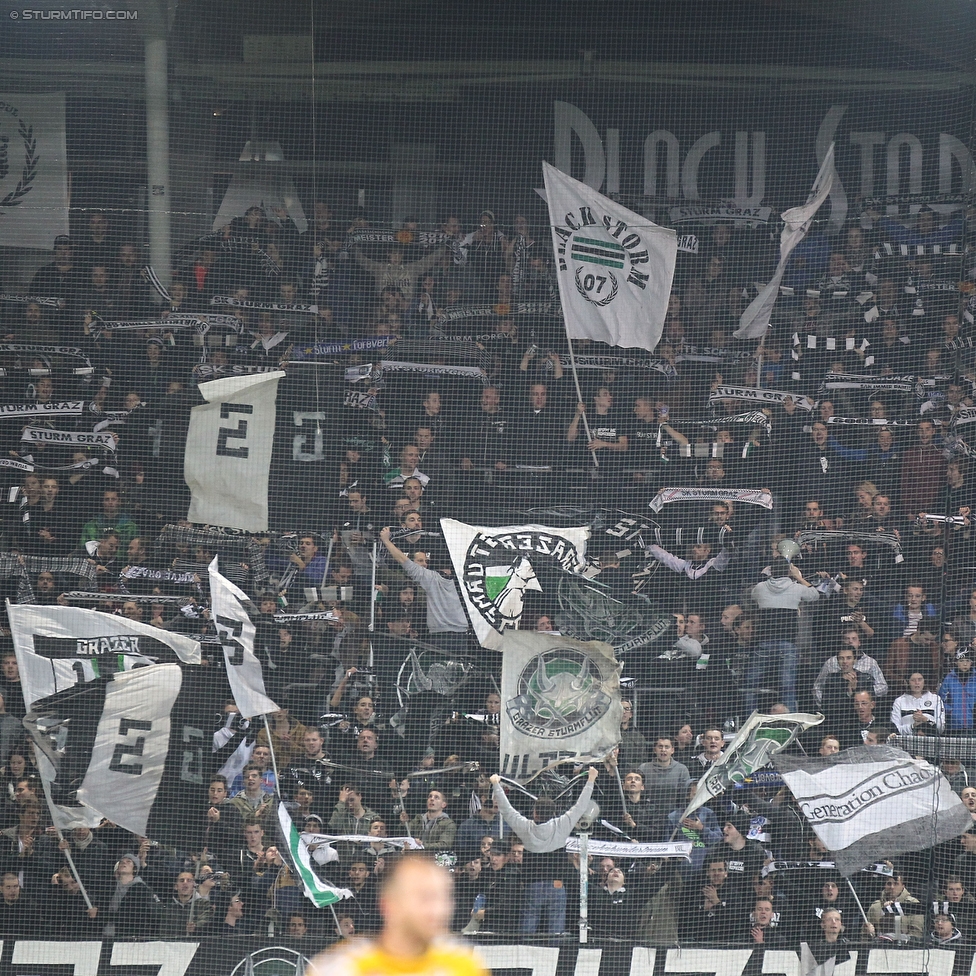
x=316, y=890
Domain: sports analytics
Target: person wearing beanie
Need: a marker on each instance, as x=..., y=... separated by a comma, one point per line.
x=743, y=857
x=131, y=911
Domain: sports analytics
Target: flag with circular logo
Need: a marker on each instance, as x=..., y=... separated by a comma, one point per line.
x=614, y=267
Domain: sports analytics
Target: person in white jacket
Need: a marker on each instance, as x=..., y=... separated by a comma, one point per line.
x=919, y=711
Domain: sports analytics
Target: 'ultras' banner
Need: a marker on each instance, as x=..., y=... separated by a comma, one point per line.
x=228, y=452
x=614, y=267
x=560, y=699
x=496, y=567
x=60, y=647
x=872, y=802
x=33, y=170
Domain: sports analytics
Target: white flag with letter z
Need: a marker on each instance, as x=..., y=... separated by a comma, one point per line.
x=614, y=267
x=237, y=640
x=228, y=451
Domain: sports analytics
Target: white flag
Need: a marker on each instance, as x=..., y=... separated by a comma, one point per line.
x=560, y=698
x=33, y=171
x=755, y=319
x=871, y=803
x=614, y=267
x=60, y=647
x=495, y=567
x=237, y=640
x=130, y=747
x=228, y=451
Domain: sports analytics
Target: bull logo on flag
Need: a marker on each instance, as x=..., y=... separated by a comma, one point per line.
x=561, y=693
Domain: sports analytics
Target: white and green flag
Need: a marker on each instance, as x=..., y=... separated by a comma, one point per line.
x=613, y=266
x=316, y=890
x=759, y=739
x=496, y=566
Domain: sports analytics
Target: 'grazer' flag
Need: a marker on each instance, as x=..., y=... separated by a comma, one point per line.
x=560, y=700
x=237, y=640
x=755, y=319
x=228, y=451
x=496, y=567
x=614, y=267
x=872, y=802
x=107, y=744
x=759, y=739
x=60, y=647
x=316, y=890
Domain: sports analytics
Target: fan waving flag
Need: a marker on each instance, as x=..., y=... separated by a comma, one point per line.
x=560, y=698
x=755, y=319
x=236, y=633
x=759, y=739
x=614, y=267
x=297, y=847
x=873, y=802
x=497, y=566
x=104, y=746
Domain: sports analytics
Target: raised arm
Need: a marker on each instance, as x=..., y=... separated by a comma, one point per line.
x=391, y=546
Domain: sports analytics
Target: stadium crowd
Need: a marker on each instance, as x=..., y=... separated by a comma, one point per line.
x=849, y=591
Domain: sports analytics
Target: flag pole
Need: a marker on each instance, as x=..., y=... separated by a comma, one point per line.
x=67, y=850
x=579, y=395
x=274, y=760
x=857, y=901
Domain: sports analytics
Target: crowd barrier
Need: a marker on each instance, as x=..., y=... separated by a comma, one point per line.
x=229, y=957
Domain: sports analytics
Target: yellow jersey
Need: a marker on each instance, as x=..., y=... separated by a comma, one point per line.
x=366, y=958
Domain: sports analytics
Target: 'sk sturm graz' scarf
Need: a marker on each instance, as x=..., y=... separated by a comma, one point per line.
x=226, y=301
x=457, y=313
x=758, y=396
x=814, y=536
x=854, y=381
x=66, y=408
x=43, y=435
x=44, y=302
x=749, y=496
x=626, y=362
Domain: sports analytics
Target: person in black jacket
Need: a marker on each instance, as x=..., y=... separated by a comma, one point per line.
x=503, y=893
x=130, y=911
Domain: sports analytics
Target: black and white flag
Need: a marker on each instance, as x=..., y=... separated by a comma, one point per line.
x=115, y=748
x=497, y=566
x=236, y=633
x=873, y=802
x=228, y=451
x=60, y=647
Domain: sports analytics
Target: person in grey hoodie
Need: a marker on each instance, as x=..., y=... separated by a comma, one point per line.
x=544, y=862
x=778, y=598
x=664, y=778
